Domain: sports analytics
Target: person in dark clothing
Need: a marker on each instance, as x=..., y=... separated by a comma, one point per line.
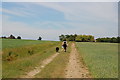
x=57, y=49
x=65, y=46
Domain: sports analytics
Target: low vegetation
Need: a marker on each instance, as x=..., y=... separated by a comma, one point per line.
x=24, y=55
x=21, y=56
x=100, y=58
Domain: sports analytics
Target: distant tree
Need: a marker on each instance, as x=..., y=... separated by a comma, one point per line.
x=98, y=40
x=113, y=40
x=40, y=38
x=67, y=37
x=91, y=38
x=71, y=38
x=62, y=37
x=4, y=37
x=84, y=38
x=118, y=39
x=75, y=35
x=18, y=37
x=78, y=38
x=11, y=37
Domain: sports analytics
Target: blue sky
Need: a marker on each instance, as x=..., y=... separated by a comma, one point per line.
x=51, y=19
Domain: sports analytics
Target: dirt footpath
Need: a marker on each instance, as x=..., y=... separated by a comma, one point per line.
x=38, y=69
x=75, y=67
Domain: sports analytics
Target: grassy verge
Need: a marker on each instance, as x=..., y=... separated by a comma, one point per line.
x=56, y=69
x=25, y=59
x=100, y=58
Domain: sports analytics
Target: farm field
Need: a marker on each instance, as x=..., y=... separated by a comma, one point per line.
x=100, y=58
x=20, y=58
x=24, y=55
x=63, y=39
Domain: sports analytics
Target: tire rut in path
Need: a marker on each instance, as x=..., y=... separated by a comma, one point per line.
x=75, y=67
x=38, y=69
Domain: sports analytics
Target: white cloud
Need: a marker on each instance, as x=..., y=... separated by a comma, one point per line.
x=80, y=11
x=10, y=12
x=22, y=12
x=98, y=19
x=27, y=31
x=50, y=33
x=86, y=11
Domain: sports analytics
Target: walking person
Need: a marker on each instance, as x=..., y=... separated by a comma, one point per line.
x=64, y=44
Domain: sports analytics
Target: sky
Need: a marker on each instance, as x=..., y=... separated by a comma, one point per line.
x=51, y=19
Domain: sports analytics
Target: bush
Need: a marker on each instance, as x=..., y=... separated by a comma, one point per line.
x=11, y=56
x=30, y=52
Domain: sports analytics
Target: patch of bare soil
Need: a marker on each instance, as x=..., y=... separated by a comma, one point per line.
x=1, y=52
x=76, y=67
x=38, y=69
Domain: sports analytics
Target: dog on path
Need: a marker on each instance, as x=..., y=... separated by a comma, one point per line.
x=57, y=49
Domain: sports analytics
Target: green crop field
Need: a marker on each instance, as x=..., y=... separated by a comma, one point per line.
x=100, y=58
x=11, y=43
x=20, y=56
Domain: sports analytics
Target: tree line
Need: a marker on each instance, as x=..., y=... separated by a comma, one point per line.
x=18, y=37
x=107, y=39
x=77, y=38
x=11, y=37
x=88, y=38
